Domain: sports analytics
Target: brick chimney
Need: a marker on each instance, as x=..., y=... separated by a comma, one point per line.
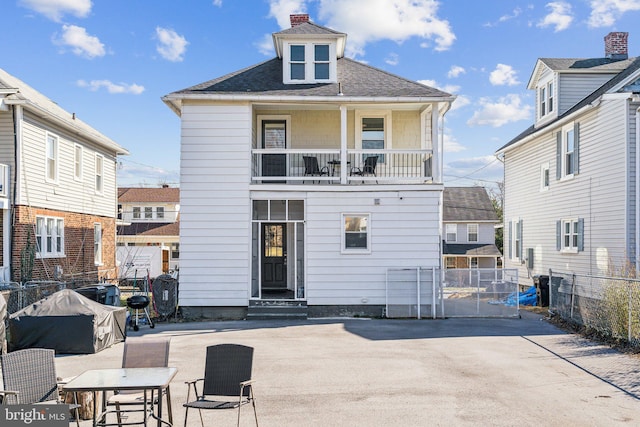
x=298, y=19
x=615, y=46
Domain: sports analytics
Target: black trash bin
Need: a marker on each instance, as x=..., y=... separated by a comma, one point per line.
x=541, y=282
x=96, y=293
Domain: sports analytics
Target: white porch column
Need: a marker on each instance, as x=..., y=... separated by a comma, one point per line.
x=343, y=144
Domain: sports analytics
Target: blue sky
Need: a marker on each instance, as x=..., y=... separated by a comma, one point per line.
x=111, y=61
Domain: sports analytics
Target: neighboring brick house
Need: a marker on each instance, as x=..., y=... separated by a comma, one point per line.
x=57, y=190
x=149, y=217
x=469, y=220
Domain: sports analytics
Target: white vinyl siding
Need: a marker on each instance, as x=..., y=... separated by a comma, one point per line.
x=69, y=194
x=574, y=87
x=600, y=194
x=215, y=232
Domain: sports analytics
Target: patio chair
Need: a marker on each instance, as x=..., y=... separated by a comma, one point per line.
x=311, y=167
x=368, y=168
x=29, y=377
x=227, y=382
x=142, y=353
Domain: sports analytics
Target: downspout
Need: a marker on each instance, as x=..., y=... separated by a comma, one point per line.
x=637, y=203
x=9, y=238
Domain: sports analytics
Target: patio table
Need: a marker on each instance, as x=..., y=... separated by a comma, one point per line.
x=104, y=380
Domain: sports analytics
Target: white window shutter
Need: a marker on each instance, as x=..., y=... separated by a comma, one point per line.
x=558, y=235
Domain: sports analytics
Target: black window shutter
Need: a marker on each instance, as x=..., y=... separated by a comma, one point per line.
x=581, y=234
x=558, y=235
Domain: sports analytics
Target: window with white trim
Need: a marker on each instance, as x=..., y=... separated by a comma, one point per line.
x=148, y=212
x=99, y=173
x=97, y=243
x=49, y=237
x=307, y=62
x=570, y=235
x=452, y=233
x=544, y=177
x=473, y=262
x=136, y=212
x=51, y=166
x=545, y=96
x=472, y=232
x=160, y=212
x=77, y=162
x=450, y=262
x=515, y=239
x=356, y=236
x=567, y=151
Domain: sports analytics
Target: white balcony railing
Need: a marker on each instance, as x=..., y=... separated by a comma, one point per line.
x=297, y=166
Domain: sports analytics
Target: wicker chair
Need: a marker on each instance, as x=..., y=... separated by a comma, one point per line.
x=227, y=381
x=142, y=353
x=29, y=377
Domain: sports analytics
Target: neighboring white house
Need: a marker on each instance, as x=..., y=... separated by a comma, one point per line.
x=469, y=221
x=148, y=229
x=57, y=190
x=571, y=182
x=277, y=198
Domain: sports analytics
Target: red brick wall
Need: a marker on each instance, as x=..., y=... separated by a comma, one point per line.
x=78, y=245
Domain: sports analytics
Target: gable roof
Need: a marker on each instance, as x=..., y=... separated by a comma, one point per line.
x=23, y=94
x=150, y=229
x=631, y=69
x=148, y=195
x=309, y=28
x=464, y=204
x=470, y=249
x=358, y=81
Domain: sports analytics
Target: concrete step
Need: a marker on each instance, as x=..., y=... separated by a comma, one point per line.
x=277, y=309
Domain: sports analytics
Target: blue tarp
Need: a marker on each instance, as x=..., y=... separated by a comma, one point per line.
x=527, y=297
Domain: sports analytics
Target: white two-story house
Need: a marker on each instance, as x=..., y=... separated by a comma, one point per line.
x=469, y=220
x=571, y=182
x=306, y=177
x=57, y=190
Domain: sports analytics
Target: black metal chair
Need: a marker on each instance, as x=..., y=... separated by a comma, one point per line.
x=312, y=168
x=227, y=382
x=368, y=168
x=142, y=353
x=29, y=377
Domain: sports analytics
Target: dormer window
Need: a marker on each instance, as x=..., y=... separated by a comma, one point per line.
x=309, y=63
x=546, y=99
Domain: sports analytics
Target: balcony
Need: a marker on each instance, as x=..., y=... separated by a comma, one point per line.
x=287, y=166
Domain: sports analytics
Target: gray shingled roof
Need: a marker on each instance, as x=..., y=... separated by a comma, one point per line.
x=357, y=79
x=620, y=77
x=594, y=64
x=309, y=28
x=467, y=204
x=479, y=249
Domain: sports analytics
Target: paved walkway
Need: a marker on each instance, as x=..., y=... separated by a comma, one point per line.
x=363, y=372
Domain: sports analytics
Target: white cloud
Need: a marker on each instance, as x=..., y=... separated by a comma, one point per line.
x=461, y=101
x=56, y=9
x=392, y=59
x=505, y=110
x=217, y=3
x=455, y=71
x=451, y=145
x=171, y=46
x=95, y=85
x=265, y=46
x=605, y=13
x=504, y=18
x=474, y=170
x=503, y=75
x=444, y=88
x=81, y=43
x=397, y=20
x=281, y=9
x=560, y=16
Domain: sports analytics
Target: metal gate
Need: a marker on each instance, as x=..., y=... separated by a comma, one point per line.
x=421, y=292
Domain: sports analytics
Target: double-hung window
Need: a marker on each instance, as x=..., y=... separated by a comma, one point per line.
x=472, y=232
x=569, y=235
x=49, y=236
x=160, y=212
x=321, y=61
x=307, y=62
x=77, y=162
x=99, y=173
x=515, y=239
x=97, y=244
x=545, y=95
x=356, y=236
x=452, y=233
x=568, y=151
x=51, y=166
x=297, y=62
x=136, y=212
x=544, y=177
x=148, y=212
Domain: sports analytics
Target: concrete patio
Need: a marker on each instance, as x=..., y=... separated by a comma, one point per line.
x=372, y=372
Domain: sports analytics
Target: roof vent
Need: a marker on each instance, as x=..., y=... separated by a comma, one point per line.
x=615, y=46
x=298, y=19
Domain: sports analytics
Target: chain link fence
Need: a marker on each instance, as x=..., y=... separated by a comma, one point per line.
x=609, y=305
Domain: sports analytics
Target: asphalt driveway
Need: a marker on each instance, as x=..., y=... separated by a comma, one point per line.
x=372, y=372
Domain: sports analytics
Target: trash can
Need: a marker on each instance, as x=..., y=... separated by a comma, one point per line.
x=96, y=293
x=541, y=282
